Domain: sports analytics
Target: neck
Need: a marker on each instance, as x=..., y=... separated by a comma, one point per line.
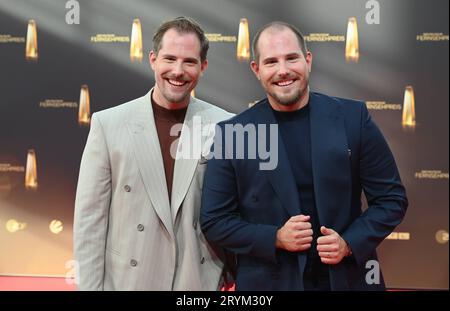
x=302, y=102
x=160, y=100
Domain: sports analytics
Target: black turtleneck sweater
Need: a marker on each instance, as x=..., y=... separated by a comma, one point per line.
x=295, y=131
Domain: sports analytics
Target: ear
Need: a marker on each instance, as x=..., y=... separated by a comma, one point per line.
x=203, y=66
x=309, y=59
x=152, y=59
x=255, y=68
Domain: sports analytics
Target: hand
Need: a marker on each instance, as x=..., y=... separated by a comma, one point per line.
x=331, y=247
x=295, y=235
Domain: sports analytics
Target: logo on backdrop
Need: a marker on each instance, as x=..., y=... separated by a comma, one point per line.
x=56, y=226
x=31, y=180
x=324, y=37
x=31, y=45
x=408, y=108
x=432, y=36
x=402, y=236
x=6, y=38
x=218, y=37
x=13, y=226
x=352, y=41
x=431, y=174
x=57, y=103
x=442, y=237
x=382, y=105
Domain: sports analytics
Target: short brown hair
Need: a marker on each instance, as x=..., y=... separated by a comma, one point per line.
x=182, y=25
x=278, y=26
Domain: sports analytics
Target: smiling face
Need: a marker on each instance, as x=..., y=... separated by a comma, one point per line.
x=177, y=67
x=283, y=69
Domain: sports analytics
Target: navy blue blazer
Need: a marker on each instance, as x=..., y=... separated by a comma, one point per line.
x=244, y=206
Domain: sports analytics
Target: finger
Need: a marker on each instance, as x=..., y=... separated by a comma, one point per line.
x=304, y=240
x=301, y=225
x=299, y=218
x=329, y=261
x=328, y=239
x=299, y=248
x=327, y=248
x=305, y=247
x=303, y=233
x=328, y=255
x=326, y=231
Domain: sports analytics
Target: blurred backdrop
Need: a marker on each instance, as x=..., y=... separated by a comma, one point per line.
x=60, y=61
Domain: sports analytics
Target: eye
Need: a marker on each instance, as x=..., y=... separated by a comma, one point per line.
x=270, y=62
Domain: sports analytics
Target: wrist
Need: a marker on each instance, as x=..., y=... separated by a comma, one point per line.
x=278, y=243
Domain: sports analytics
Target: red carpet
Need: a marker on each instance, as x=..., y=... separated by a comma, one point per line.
x=27, y=283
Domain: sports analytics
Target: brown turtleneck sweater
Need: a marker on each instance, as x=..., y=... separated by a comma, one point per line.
x=164, y=120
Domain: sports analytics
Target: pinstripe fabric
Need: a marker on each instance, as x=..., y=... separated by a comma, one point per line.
x=126, y=234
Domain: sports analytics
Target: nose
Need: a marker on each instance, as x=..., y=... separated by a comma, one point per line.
x=177, y=70
x=283, y=69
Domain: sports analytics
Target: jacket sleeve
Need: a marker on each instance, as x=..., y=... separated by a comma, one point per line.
x=92, y=204
x=220, y=215
x=386, y=196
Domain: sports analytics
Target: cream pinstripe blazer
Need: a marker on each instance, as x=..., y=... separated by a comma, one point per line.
x=126, y=234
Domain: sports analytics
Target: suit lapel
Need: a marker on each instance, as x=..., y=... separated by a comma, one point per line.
x=281, y=177
x=188, y=154
x=330, y=161
x=331, y=167
x=147, y=151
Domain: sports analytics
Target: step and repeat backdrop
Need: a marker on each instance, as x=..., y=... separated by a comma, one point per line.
x=60, y=61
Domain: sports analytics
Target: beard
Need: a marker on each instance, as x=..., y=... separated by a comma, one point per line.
x=287, y=100
x=291, y=98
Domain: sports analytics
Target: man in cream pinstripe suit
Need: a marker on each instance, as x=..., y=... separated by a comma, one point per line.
x=137, y=202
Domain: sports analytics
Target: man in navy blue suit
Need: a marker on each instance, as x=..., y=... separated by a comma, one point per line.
x=298, y=224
